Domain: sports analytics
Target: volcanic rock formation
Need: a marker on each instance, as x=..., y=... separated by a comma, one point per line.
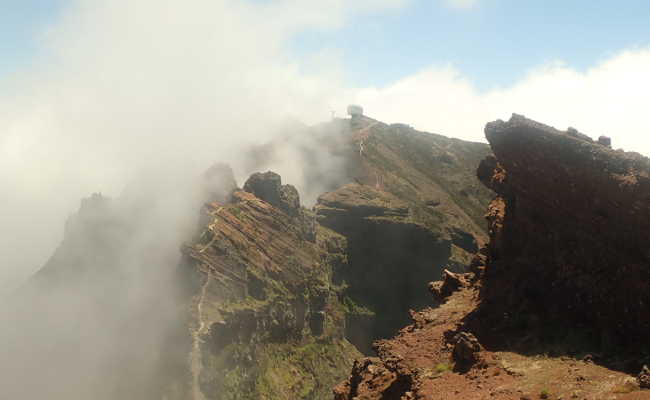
x=268, y=299
x=569, y=250
x=556, y=305
x=267, y=321
x=284, y=299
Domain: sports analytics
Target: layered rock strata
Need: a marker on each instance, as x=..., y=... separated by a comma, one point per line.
x=569, y=251
x=268, y=323
x=556, y=305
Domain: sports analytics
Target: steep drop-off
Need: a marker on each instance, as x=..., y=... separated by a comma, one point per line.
x=390, y=256
x=267, y=321
x=294, y=295
x=569, y=253
x=267, y=299
x=556, y=305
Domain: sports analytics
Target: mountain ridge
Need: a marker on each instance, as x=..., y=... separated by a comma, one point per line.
x=267, y=299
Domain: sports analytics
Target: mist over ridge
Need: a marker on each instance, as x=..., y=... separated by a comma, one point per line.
x=107, y=134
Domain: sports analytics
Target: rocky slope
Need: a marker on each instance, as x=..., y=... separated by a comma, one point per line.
x=267, y=322
x=414, y=212
x=408, y=203
x=555, y=306
x=267, y=299
x=436, y=358
x=285, y=298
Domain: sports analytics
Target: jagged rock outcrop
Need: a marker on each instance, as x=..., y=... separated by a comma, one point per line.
x=449, y=284
x=268, y=187
x=565, y=272
x=568, y=250
x=267, y=319
x=406, y=207
x=407, y=202
x=270, y=300
x=466, y=349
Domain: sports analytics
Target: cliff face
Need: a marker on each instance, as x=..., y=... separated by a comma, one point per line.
x=412, y=211
x=390, y=256
x=556, y=305
x=568, y=248
x=267, y=322
x=267, y=299
x=434, y=174
x=285, y=299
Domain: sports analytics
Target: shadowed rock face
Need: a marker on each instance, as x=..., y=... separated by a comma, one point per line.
x=568, y=234
x=267, y=319
x=268, y=187
x=566, y=272
x=267, y=302
x=407, y=202
x=285, y=296
x=391, y=257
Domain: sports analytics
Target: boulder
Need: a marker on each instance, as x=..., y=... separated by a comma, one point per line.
x=450, y=283
x=605, y=141
x=466, y=349
x=268, y=187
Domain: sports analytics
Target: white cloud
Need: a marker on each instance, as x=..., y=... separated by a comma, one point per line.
x=462, y=4
x=169, y=86
x=122, y=86
x=122, y=90
x=610, y=98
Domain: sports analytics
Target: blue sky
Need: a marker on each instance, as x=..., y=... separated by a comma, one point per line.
x=493, y=43
x=21, y=23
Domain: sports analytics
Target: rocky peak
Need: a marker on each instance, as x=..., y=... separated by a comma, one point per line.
x=263, y=301
x=568, y=243
x=565, y=273
x=268, y=187
x=275, y=300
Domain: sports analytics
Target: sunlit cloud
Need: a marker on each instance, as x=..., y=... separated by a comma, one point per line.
x=607, y=98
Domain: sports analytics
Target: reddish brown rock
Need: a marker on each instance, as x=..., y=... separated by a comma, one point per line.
x=368, y=376
x=450, y=283
x=568, y=233
x=566, y=269
x=261, y=290
x=466, y=348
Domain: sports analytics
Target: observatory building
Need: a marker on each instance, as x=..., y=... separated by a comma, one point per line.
x=355, y=110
